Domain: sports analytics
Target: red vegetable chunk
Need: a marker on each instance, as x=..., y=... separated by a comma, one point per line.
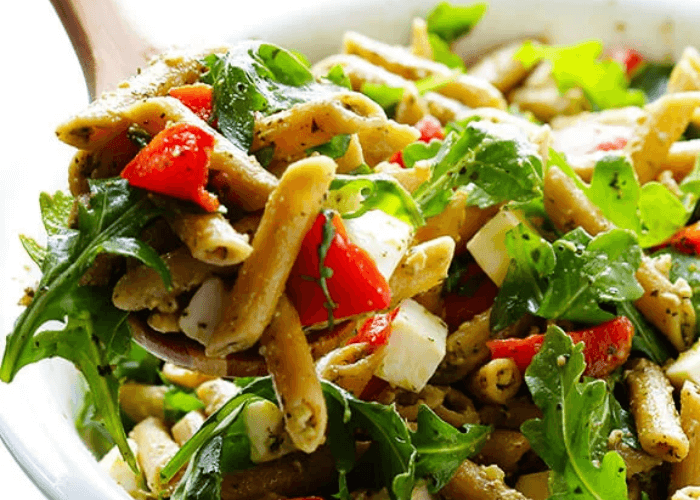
x=375, y=331
x=175, y=163
x=197, y=98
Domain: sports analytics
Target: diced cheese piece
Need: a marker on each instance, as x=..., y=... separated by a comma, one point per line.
x=265, y=426
x=384, y=237
x=686, y=367
x=204, y=311
x=488, y=245
x=415, y=349
x=120, y=471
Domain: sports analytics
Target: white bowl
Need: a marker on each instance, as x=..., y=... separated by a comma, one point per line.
x=38, y=409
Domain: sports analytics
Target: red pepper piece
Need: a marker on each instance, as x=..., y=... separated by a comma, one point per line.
x=375, y=331
x=430, y=128
x=197, y=97
x=686, y=240
x=175, y=163
x=463, y=307
x=614, y=145
x=356, y=286
x=630, y=59
x=606, y=347
x=398, y=159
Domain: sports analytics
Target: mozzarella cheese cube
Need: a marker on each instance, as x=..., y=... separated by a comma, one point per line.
x=686, y=367
x=204, y=311
x=488, y=245
x=119, y=470
x=415, y=349
x=384, y=237
x=265, y=426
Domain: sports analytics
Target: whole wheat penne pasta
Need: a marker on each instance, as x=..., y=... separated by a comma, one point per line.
x=155, y=449
x=466, y=349
x=140, y=401
x=500, y=68
x=215, y=393
x=685, y=75
x=477, y=482
x=288, y=357
x=534, y=486
x=410, y=108
x=470, y=90
x=184, y=377
x=292, y=132
x=687, y=472
x=289, y=214
x=655, y=415
x=424, y=266
x=457, y=408
x=636, y=461
x=665, y=121
x=186, y=427
x=211, y=238
x=117, y=468
x=504, y=448
x=681, y=158
x=102, y=119
x=496, y=382
x=351, y=366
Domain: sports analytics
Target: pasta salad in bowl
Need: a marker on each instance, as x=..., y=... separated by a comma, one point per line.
x=418, y=270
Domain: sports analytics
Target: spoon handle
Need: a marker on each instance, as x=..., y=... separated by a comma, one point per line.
x=108, y=46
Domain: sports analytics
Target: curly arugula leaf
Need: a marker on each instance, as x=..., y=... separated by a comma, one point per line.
x=384, y=95
x=177, y=402
x=420, y=150
x=257, y=77
x=442, y=53
x=35, y=251
x=354, y=195
x=335, y=148
x=566, y=436
x=450, y=22
x=589, y=272
x=525, y=284
x=442, y=448
x=604, y=82
x=337, y=76
x=95, y=333
x=495, y=162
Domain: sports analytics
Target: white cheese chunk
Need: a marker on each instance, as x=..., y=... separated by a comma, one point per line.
x=119, y=470
x=384, y=237
x=488, y=245
x=686, y=367
x=415, y=348
x=265, y=426
x=204, y=311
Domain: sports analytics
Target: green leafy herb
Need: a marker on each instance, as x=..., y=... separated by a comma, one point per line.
x=335, y=148
x=442, y=448
x=387, y=97
x=337, y=76
x=256, y=76
x=419, y=150
x=442, y=53
x=138, y=136
x=90, y=430
x=325, y=273
x=355, y=195
x=138, y=365
x=265, y=154
x=35, y=251
x=494, y=162
x=451, y=22
x=568, y=437
x=647, y=339
x=603, y=82
x=178, y=402
x=94, y=333
x=652, y=79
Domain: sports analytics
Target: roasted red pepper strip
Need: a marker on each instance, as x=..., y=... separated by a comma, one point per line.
x=175, y=163
x=686, y=240
x=355, y=285
x=606, y=347
x=197, y=98
x=463, y=306
x=614, y=145
x=430, y=128
x=375, y=331
x=630, y=59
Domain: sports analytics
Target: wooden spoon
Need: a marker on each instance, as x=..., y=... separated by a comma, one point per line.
x=110, y=49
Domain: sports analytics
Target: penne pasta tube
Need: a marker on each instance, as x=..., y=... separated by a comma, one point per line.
x=140, y=401
x=211, y=238
x=496, y=382
x=687, y=472
x=352, y=158
x=215, y=393
x=420, y=39
x=184, y=377
x=289, y=214
x=504, y=448
x=655, y=415
x=477, y=482
x=466, y=349
x=534, y=486
x=500, y=68
x=467, y=89
x=685, y=75
x=350, y=367
x=155, y=449
x=424, y=266
x=288, y=357
x=681, y=158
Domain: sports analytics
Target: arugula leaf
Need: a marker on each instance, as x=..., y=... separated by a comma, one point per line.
x=354, y=195
x=495, y=162
x=442, y=448
x=90, y=430
x=420, y=150
x=178, y=402
x=566, y=437
x=647, y=338
x=652, y=79
x=450, y=22
x=337, y=76
x=138, y=365
x=442, y=53
x=335, y=148
x=525, y=284
x=95, y=332
x=384, y=95
x=256, y=76
x=590, y=271
x=35, y=251
x=603, y=82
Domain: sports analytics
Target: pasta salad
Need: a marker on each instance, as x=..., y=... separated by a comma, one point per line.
x=386, y=274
